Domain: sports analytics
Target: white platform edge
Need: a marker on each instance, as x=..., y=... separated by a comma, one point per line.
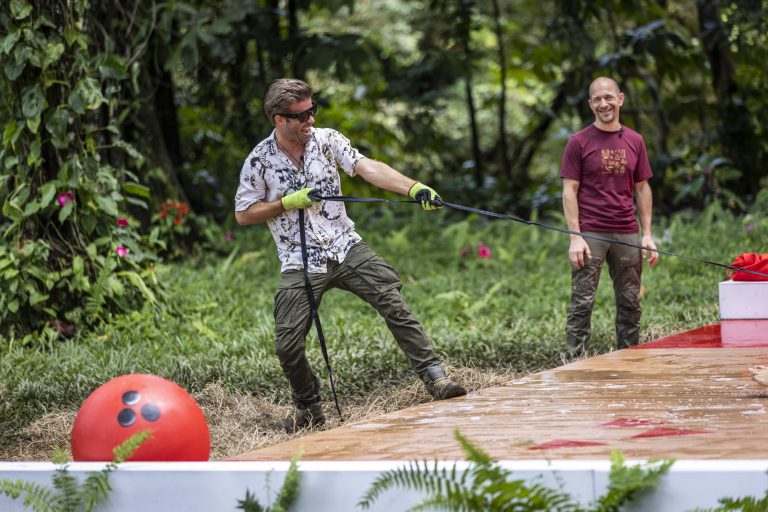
x=338, y=486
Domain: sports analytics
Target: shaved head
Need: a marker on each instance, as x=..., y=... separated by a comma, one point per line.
x=603, y=81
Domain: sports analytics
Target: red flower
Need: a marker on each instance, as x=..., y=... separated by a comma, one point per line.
x=174, y=208
x=483, y=251
x=122, y=223
x=66, y=197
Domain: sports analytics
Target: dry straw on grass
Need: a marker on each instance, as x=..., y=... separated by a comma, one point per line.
x=240, y=422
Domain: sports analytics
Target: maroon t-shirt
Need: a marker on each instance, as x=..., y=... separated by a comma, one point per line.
x=607, y=165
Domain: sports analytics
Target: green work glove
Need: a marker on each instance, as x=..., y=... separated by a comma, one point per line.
x=298, y=199
x=428, y=198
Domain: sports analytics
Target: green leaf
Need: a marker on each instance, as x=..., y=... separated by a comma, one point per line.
x=31, y=208
x=33, y=158
x=9, y=134
x=32, y=102
x=66, y=211
x=136, y=189
x=107, y=205
x=9, y=41
x=20, y=9
x=57, y=124
x=132, y=151
x=33, y=124
x=71, y=34
x=89, y=223
x=86, y=95
x=53, y=52
x=113, y=67
x=14, y=68
x=36, y=298
x=47, y=193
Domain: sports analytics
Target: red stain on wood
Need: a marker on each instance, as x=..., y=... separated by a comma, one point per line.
x=662, y=432
x=564, y=443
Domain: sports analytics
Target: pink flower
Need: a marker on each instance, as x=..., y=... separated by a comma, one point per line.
x=228, y=237
x=122, y=223
x=65, y=198
x=483, y=251
x=121, y=251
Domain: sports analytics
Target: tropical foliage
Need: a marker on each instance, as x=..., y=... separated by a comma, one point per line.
x=112, y=109
x=285, y=498
x=486, y=485
x=67, y=494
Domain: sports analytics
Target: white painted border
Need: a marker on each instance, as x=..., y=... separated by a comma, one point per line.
x=338, y=486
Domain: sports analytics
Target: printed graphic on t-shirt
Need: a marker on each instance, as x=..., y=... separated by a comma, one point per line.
x=614, y=161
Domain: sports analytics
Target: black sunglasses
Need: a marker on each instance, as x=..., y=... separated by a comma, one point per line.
x=303, y=116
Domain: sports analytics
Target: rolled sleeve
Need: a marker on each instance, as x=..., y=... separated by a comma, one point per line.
x=252, y=188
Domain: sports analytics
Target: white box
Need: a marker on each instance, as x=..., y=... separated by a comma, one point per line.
x=743, y=300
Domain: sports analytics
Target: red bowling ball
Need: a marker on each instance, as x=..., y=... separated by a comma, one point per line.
x=133, y=403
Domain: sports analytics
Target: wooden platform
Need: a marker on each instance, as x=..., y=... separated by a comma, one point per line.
x=687, y=396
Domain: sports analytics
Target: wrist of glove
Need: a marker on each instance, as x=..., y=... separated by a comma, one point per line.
x=299, y=199
x=426, y=196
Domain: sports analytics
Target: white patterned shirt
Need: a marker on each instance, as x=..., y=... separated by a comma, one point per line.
x=268, y=174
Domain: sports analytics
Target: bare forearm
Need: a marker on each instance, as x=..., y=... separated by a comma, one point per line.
x=259, y=212
x=383, y=176
x=645, y=208
x=571, y=205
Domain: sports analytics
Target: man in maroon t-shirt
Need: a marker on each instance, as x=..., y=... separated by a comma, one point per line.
x=605, y=167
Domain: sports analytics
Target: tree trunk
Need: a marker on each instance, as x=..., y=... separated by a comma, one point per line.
x=156, y=125
x=503, y=157
x=465, y=13
x=736, y=129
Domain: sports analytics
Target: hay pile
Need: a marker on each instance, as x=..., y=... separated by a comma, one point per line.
x=241, y=423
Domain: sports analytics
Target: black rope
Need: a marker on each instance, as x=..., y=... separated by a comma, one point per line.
x=353, y=199
x=313, y=310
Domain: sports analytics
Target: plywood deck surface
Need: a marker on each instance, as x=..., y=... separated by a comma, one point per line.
x=666, y=398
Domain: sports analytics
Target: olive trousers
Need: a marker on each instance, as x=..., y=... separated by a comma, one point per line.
x=625, y=265
x=368, y=276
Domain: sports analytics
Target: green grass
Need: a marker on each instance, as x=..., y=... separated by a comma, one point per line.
x=506, y=312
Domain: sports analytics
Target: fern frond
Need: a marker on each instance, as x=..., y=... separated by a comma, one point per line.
x=125, y=449
x=290, y=489
x=96, y=486
x=35, y=495
x=416, y=476
x=67, y=500
x=250, y=503
x=136, y=280
x=627, y=482
x=745, y=504
x=474, y=453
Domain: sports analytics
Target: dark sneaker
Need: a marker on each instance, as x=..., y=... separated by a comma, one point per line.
x=304, y=417
x=440, y=386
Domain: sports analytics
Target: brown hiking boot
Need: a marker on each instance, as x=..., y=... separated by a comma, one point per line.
x=440, y=386
x=304, y=417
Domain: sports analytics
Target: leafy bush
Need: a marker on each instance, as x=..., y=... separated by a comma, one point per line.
x=71, y=253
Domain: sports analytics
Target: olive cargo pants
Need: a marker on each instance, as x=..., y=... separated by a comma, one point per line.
x=368, y=276
x=625, y=265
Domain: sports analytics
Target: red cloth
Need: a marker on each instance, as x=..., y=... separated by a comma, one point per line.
x=749, y=261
